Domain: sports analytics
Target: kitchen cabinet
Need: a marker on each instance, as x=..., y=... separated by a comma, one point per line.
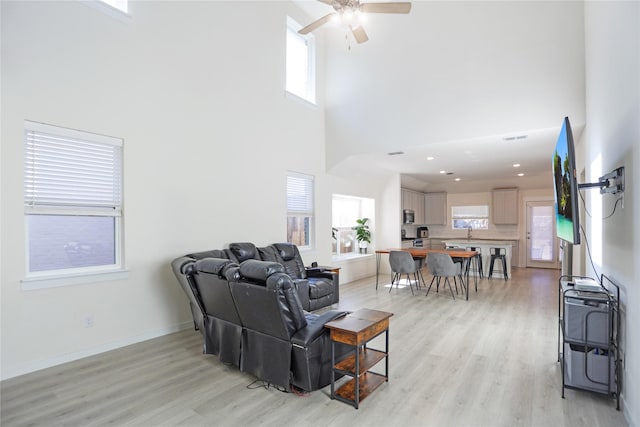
x=414, y=200
x=435, y=208
x=505, y=206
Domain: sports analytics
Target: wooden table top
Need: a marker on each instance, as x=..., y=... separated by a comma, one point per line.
x=358, y=320
x=423, y=252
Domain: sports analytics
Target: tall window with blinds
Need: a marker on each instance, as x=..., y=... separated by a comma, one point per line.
x=72, y=200
x=300, y=210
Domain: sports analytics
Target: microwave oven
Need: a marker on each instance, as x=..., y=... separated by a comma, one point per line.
x=408, y=216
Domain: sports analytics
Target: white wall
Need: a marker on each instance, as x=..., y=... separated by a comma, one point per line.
x=612, y=40
x=196, y=90
x=494, y=67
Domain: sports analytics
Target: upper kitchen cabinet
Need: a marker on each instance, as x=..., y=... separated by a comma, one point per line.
x=435, y=208
x=414, y=200
x=505, y=206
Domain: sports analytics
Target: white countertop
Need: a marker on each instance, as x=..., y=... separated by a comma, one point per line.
x=479, y=242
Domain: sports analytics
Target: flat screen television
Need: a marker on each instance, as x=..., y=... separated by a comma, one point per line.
x=566, y=186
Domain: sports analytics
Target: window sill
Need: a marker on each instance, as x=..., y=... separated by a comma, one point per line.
x=55, y=281
x=351, y=256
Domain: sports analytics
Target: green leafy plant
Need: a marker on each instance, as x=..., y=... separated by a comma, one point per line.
x=363, y=234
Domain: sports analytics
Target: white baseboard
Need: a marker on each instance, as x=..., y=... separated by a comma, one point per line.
x=37, y=365
x=625, y=410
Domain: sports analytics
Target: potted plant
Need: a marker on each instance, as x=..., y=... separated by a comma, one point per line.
x=363, y=234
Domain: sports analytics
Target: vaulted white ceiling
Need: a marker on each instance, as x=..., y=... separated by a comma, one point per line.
x=477, y=85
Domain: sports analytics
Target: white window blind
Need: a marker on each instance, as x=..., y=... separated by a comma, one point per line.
x=299, y=194
x=462, y=212
x=71, y=171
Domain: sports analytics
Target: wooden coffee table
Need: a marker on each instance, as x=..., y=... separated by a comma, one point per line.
x=357, y=329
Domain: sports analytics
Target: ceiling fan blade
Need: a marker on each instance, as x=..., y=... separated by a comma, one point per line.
x=317, y=23
x=398, y=7
x=359, y=34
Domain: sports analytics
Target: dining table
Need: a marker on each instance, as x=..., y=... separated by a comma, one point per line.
x=468, y=256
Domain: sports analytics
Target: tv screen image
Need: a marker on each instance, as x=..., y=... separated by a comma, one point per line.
x=566, y=186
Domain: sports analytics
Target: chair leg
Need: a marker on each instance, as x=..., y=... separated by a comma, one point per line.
x=410, y=285
x=504, y=267
x=393, y=280
x=491, y=268
x=430, y=284
x=446, y=280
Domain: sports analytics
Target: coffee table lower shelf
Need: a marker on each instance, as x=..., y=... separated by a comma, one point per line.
x=369, y=381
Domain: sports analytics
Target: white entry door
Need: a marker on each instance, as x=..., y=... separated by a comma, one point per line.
x=541, y=235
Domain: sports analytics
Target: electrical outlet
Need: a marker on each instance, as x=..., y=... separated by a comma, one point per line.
x=88, y=321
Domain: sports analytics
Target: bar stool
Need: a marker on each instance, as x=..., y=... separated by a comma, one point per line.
x=498, y=253
x=478, y=258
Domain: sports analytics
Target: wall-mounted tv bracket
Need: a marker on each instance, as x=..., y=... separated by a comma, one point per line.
x=613, y=182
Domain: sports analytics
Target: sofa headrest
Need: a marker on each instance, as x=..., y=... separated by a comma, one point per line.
x=259, y=271
x=215, y=253
x=279, y=281
x=287, y=251
x=213, y=266
x=244, y=251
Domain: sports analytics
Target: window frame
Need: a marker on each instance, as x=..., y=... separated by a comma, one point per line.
x=302, y=213
x=461, y=216
x=366, y=209
x=310, y=94
x=35, y=205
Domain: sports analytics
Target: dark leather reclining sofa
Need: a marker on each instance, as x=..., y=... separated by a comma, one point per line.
x=251, y=316
x=316, y=288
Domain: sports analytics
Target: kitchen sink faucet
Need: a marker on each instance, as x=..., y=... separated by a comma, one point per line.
x=469, y=232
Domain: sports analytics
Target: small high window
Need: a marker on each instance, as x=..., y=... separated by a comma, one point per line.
x=121, y=5
x=300, y=72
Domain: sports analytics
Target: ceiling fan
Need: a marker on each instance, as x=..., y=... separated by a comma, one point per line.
x=348, y=12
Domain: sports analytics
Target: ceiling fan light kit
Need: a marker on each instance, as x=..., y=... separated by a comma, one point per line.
x=350, y=15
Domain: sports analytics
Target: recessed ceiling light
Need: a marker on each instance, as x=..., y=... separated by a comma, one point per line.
x=516, y=165
x=395, y=153
x=430, y=158
x=513, y=138
x=457, y=179
x=520, y=174
x=443, y=171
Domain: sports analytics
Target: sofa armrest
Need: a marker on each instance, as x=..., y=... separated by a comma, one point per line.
x=313, y=272
x=326, y=274
x=302, y=289
x=315, y=327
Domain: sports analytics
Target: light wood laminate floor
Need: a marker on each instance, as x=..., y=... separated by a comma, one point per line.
x=489, y=361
